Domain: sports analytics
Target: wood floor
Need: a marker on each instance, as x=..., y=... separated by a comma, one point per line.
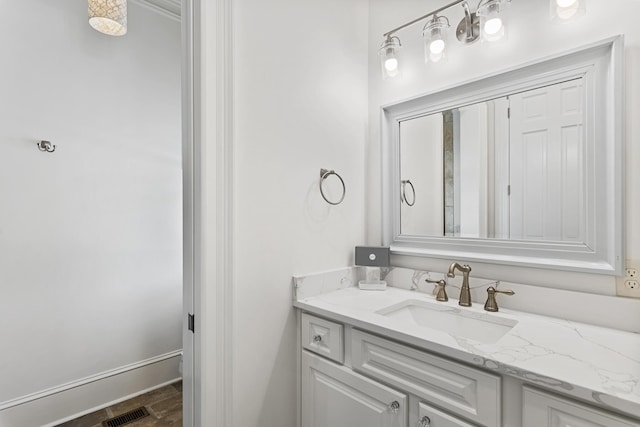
x=164, y=406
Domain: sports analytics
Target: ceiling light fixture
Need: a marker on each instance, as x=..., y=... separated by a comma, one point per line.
x=108, y=16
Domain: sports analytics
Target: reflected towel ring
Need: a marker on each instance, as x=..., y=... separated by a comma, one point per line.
x=404, y=192
x=324, y=174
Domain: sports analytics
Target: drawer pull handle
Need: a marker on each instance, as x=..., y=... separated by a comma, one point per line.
x=394, y=407
x=425, y=422
x=317, y=339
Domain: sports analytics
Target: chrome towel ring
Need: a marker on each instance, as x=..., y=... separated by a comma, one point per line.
x=324, y=174
x=404, y=192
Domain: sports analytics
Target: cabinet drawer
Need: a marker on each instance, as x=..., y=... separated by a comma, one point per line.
x=428, y=416
x=541, y=409
x=459, y=389
x=323, y=337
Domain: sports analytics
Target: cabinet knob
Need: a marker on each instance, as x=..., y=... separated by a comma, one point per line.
x=425, y=422
x=317, y=339
x=394, y=407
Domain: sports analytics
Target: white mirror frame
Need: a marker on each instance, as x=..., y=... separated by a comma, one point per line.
x=602, y=67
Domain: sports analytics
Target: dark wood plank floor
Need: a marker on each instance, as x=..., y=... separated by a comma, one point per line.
x=164, y=406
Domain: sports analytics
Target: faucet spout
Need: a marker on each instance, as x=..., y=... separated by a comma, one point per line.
x=465, y=292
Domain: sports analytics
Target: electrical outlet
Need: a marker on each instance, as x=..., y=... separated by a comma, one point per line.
x=629, y=284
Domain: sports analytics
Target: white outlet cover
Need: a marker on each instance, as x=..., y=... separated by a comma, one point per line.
x=623, y=288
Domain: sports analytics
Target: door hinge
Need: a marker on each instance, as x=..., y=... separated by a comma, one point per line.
x=508, y=190
x=191, y=323
x=509, y=113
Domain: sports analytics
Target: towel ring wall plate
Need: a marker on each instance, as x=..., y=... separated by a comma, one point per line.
x=46, y=146
x=324, y=174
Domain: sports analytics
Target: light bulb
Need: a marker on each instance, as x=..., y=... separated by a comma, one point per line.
x=391, y=64
x=566, y=3
x=493, y=26
x=437, y=46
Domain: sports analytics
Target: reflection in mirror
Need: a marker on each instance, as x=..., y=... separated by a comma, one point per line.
x=510, y=168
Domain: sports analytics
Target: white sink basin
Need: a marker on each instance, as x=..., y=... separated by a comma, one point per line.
x=484, y=328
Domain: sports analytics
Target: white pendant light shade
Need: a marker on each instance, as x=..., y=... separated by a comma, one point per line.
x=492, y=19
x=389, y=62
x=564, y=10
x=434, y=35
x=108, y=16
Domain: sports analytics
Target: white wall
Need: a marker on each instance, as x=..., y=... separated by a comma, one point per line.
x=90, y=236
x=301, y=101
x=531, y=36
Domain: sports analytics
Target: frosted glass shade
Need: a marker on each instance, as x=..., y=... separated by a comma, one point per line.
x=108, y=16
x=492, y=19
x=389, y=62
x=565, y=10
x=434, y=35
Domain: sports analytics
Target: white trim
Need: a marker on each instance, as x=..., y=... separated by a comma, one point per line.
x=113, y=402
x=189, y=398
x=87, y=380
x=167, y=8
x=209, y=114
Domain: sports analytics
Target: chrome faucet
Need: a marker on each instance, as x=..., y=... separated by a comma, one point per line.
x=465, y=293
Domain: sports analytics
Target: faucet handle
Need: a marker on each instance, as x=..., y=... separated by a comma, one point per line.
x=442, y=293
x=492, y=304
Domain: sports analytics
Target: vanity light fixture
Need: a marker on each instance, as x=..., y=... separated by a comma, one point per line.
x=108, y=16
x=488, y=20
x=389, y=57
x=492, y=21
x=564, y=10
x=434, y=34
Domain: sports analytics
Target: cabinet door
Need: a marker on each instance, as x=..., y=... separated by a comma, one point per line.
x=335, y=396
x=545, y=410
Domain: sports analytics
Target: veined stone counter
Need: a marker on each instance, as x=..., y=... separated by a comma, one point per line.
x=592, y=363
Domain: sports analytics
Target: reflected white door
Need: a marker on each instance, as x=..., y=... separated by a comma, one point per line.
x=547, y=164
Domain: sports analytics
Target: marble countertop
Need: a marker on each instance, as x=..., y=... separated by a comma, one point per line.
x=589, y=362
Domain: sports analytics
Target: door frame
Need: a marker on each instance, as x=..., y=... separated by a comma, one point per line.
x=207, y=141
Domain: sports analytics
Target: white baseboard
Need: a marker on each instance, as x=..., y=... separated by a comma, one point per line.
x=71, y=400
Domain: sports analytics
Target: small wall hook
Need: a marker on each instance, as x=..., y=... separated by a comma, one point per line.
x=46, y=146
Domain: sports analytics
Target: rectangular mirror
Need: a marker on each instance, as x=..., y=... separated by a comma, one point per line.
x=520, y=168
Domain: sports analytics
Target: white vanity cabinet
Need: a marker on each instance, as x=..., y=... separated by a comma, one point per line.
x=542, y=409
x=351, y=378
x=386, y=384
